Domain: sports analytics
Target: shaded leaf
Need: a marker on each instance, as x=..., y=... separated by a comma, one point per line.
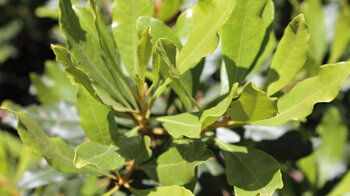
x=342, y=187
x=297, y=104
x=252, y=105
x=333, y=133
x=177, y=165
x=101, y=156
x=96, y=119
x=56, y=152
x=342, y=35
x=242, y=36
x=53, y=85
x=251, y=171
x=85, y=49
x=290, y=56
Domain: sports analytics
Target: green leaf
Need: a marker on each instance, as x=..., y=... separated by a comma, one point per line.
x=190, y=18
x=53, y=85
x=109, y=48
x=309, y=168
x=125, y=14
x=82, y=78
x=56, y=152
x=342, y=36
x=252, y=105
x=144, y=51
x=169, y=8
x=96, y=119
x=133, y=146
x=177, y=165
x=312, y=10
x=242, y=36
x=333, y=133
x=343, y=186
x=84, y=46
x=251, y=171
x=185, y=124
x=57, y=120
x=290, y=56
x=101, y=156
x=204, y=39
x=173, y=190
x=158, y=30
x=210, y=115
x=297, y=104
x=168, y=53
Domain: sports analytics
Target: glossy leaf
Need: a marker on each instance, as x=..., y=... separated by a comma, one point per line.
x=210, y=115
x=242, y=36
x=56, y=152
x=173, y=190
x=54, y=85
x=101, y=156
x=251, y=171
x=177, y=165
x=185, y=124
x=252, y=105
x=125, y=15
x=333, y=133
x=290, y=56
x=312, y=10
x=84, y=47
x=96, y=119
x=342, y=35
x=203, y=39
x=297, y=104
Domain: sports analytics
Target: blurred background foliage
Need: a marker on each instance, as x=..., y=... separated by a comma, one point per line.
x=314, y=154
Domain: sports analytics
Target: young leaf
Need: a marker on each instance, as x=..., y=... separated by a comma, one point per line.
x=242, y=36
x=298, y=104
x=62, y=55
x=169, y=9
x=177, y=165
x=251, y=171
x=168, y=53
x=210, y=115
x=96, y=119
x=56, y=152
x=173, y=190
x=125, y=14
x=342, y=35
x=290, y=56
x=185, y=124
x=159, y=30
x=203, y=39
x=84, y=46
x=252, y=105
x=101, y=156
x=333, y=133
x=144, y=51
